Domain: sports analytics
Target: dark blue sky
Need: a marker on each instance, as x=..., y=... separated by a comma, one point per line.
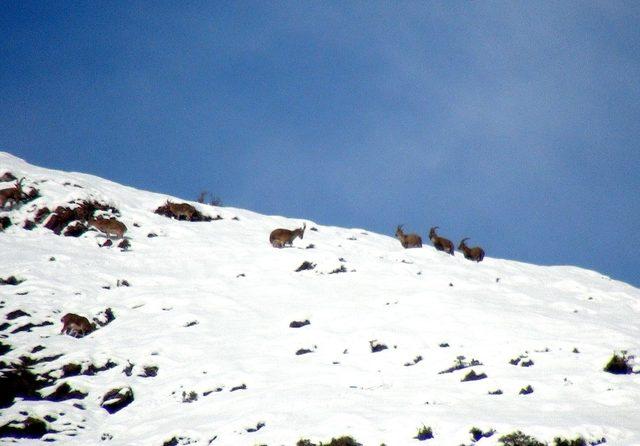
x=513, y=123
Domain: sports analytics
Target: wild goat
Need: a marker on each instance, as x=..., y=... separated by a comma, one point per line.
x=13, y=194
x=280, y=237
x=75, y=325
x=181, y=210
x=108, y=226
x=408, y=240
x=476, y=253
x=440, y=243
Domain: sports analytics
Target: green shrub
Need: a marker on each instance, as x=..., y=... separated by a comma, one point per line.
x=519, y=439
x=424, y=433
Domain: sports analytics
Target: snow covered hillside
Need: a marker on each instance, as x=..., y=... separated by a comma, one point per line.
x=202, y=340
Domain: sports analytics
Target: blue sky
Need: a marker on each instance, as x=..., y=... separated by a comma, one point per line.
x=513, y=123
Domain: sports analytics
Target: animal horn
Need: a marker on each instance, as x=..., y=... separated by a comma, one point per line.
x=464, y=239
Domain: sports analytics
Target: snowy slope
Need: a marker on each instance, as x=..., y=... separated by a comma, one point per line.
x=243, y=294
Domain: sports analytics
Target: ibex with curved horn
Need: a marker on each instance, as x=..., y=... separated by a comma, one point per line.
x=408, y=240
x=440, y=243
x=280, y=237
x=476, y=253
x=13, y=194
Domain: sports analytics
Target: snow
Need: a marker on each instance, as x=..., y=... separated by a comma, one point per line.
x=243, y=294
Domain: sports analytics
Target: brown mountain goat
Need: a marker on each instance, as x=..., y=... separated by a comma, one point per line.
x=440, y=243
x=109, y=226
x=13, y=194
x=75, y=325
x=181, y=210
x=280, y=237
x=408, y=240
x=476, y=253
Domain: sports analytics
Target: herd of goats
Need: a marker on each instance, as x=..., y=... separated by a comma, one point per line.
x=278, y=237
x=281, y=237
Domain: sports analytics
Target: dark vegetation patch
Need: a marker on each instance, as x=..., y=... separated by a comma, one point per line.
x=83, y=210
x=519, y=438
x=75, y=230
x=29, y=326
x=152, y=235
x=11, y=280
x=104, y=317
x=5, y=222
x=473, y=376
x=298, y=324
x=124, y=245
x=526, y=390
x=16, y=314
x=342, y=269
x=123, y=282
x=416, y=360
x=37, y=348
x=460, y=364
x=28, y=428
x=64, y=392
x=191, y=324
x=495, y=392
x=41, y=214
x=29, y=225
x=424, y=433
x=306, y=266
x=189, y=397
x=444, y=345
x=619, y=365
x=341, y=441
x=117, y=399
x=175, y=441
x=240, y=387
x=7, y=176
x=303, y=351
x=376, y=346
x=310, y=246
x=196, y=215
x=259, y=426
x=18, y=381
x=478, y=434
x=4, y=348
x=3, y=327
x=149, y=371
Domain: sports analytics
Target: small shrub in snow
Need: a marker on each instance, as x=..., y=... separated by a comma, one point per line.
x=424, y=433
x=342, y=269
x=495, y=392
x=564, y=442
x=5, y=222
x=259, y=426
x=306, y=266
x=189, y=397
x=618, y=365
x=526, y=390
x=416, y=360
x=377, y=347
x=461, y=364
x=303, y=351
x=240, y=387
x=342, y=441
x=473, y=376
x=11, y=280
x=298, y=324
x=117, y=399
x=478, y=434
x=29, y=428
x=519, y=439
